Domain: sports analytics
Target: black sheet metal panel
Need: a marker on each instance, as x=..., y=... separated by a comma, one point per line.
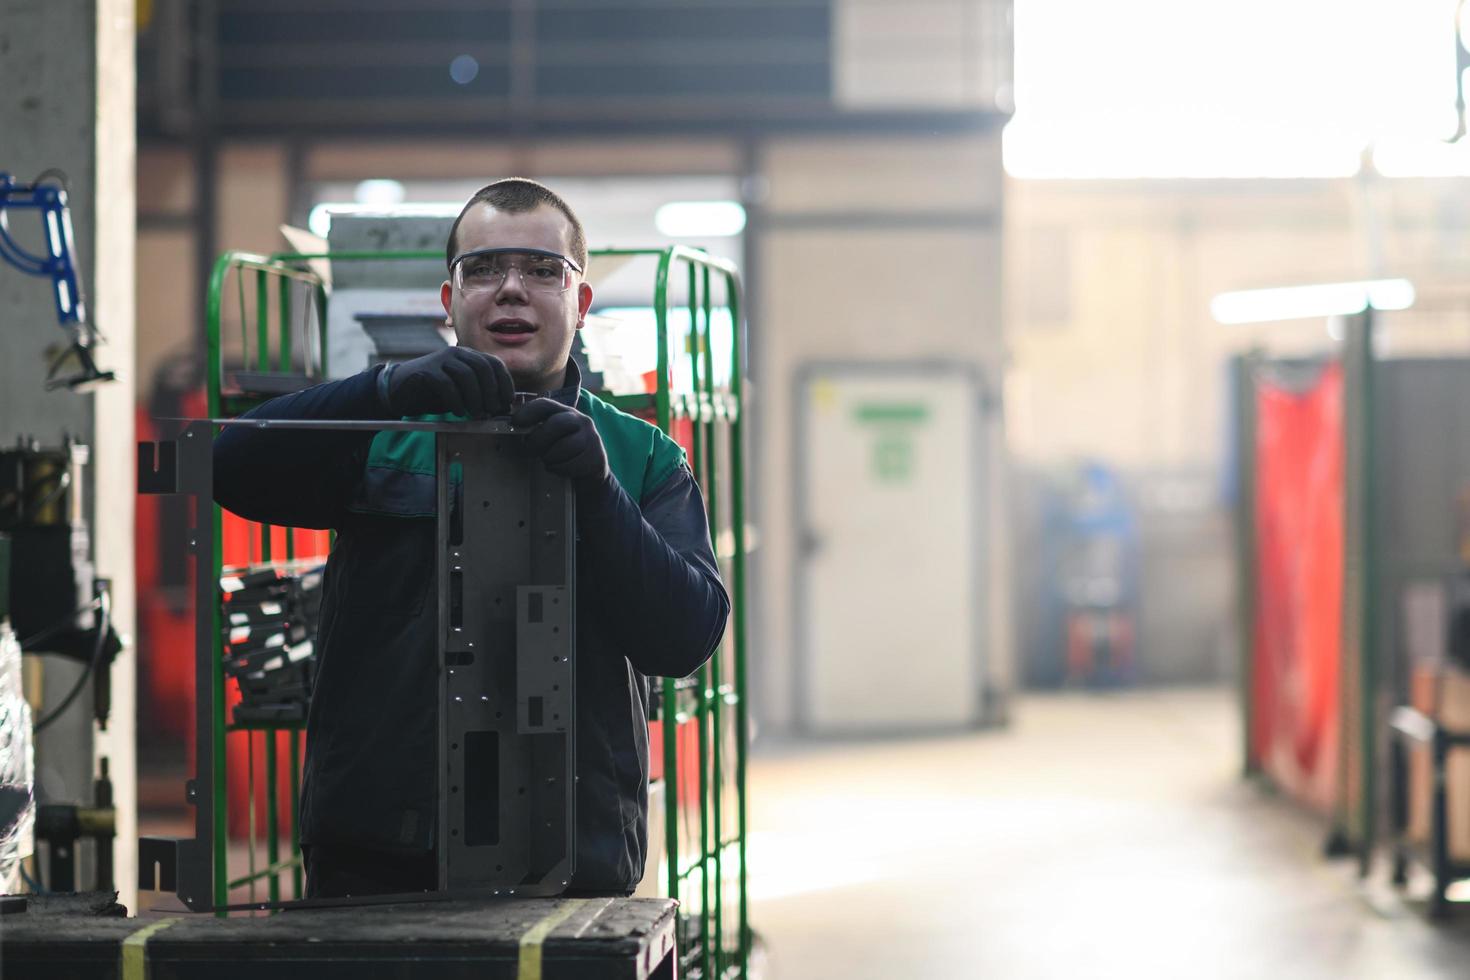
x=1421, y=410
x=506, y=577
x=186, y=466
x=613, y=938
x=506, y=727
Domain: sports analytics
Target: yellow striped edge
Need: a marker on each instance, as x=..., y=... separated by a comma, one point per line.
x=134, y=949
x=531, y=940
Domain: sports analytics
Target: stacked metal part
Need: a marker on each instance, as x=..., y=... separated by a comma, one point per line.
x=268, y=624
x=17, y=789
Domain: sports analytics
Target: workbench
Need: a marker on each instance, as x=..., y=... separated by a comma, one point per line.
x=516, y=939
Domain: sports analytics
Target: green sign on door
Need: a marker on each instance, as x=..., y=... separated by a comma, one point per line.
x=893, y=424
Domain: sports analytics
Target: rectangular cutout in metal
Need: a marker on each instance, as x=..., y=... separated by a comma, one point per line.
x=481, y=788
x=456, y=506
x=534, y=712
x=456, y=598
x=164, y=477
x=533, y=607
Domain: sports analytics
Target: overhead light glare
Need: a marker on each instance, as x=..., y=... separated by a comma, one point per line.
x=700, y=219
x=1312, y=302
x=464, y=69
x=380, y=192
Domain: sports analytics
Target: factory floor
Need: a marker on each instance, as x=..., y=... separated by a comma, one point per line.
x=1098, y=836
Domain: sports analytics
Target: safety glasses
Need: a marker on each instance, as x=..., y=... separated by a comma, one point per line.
x=486, y=269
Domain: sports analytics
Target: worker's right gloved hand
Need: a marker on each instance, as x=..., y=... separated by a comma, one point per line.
x=457, y=380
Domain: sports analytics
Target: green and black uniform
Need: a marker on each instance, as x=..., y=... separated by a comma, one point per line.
x=649, y=603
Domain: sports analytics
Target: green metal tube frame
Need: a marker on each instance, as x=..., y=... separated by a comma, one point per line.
x=264, y=268
x=704, y=407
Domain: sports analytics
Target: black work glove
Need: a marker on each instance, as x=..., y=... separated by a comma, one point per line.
x=457, y=380
x=565, y=440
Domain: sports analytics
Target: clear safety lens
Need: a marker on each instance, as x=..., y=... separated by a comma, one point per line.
x=544, y=273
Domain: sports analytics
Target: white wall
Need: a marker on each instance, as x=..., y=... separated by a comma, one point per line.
x=853, y=232
x=1114, y=350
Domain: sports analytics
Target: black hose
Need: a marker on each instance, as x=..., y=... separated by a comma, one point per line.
x=55, y=628
x=104, y=625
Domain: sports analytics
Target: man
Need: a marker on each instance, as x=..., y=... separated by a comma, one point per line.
x=649, y=598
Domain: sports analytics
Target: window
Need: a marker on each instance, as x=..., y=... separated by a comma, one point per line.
x=1250, y=88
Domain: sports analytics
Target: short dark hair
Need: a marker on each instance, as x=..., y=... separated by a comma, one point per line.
x=518, y=195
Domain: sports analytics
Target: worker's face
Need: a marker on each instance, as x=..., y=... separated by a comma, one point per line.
x=530, y=329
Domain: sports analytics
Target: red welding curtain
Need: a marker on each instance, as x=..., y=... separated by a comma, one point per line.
x=1295, y=732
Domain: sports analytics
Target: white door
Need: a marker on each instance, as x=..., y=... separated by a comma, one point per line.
x=890, y=549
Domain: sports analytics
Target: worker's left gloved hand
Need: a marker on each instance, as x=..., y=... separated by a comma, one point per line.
x=565, y=440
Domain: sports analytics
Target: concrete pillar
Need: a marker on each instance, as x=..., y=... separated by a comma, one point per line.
x=67, y=83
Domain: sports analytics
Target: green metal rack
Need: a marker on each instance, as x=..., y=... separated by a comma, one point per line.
x=702, y=720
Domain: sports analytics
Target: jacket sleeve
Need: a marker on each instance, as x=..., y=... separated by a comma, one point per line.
x=657, y=578
x=298, y=479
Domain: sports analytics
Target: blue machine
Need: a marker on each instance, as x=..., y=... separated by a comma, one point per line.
x=1083, y=629
x=59, y=265
x=1098, y=578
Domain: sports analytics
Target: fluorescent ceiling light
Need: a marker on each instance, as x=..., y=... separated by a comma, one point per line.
x=380, y=192
x=700, y=219
x=1311, y=302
